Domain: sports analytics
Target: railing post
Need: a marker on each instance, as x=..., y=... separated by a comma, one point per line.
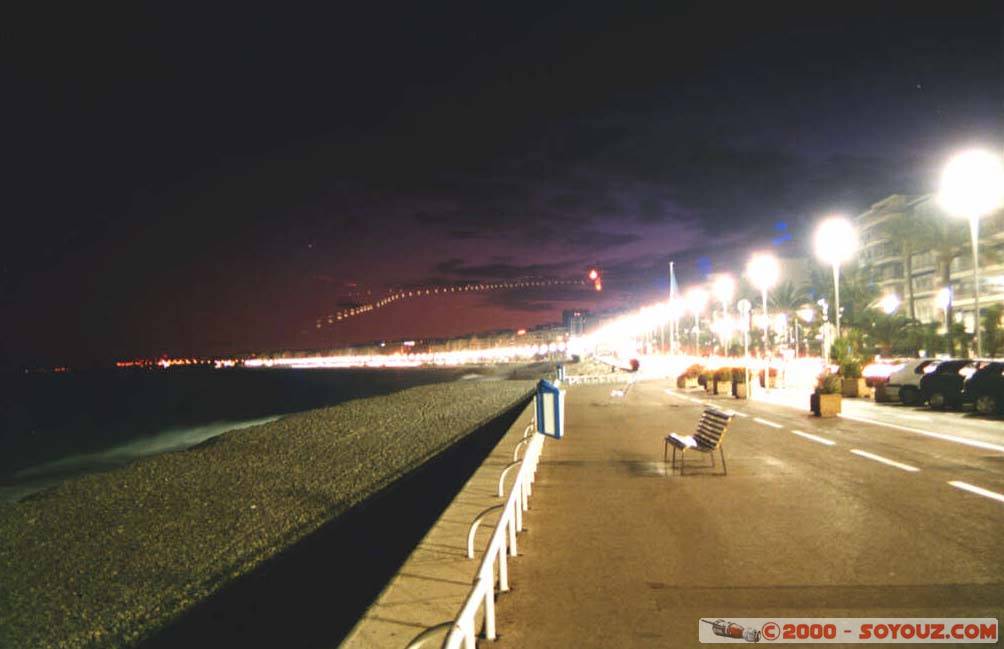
x=503, y=570
x=517, y=520
x=490, y=610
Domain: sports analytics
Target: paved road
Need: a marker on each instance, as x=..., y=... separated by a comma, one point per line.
x=828, y=518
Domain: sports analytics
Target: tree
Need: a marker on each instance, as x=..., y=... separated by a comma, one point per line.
x=858, y=291
x=993, y=336
x=902, y=228
x=788, y=296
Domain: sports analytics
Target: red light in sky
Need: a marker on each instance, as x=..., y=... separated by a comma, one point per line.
x=593, y=275
x=599, y=285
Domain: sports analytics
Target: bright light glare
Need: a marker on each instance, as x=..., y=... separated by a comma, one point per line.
x=972, y=184
x=763, y=270
x=836, y=240
x=593, y=274
x=806, y=313
x=942, y=298
x=697, y=300
x=889, y=303
x=724, y=288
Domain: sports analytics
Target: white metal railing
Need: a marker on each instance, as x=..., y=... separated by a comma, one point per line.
x=463, y=629
x=501, y=546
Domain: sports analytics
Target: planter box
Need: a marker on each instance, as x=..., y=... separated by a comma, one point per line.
x=739, y=390
x=723, y=387
x=685, y=383
x=825, y=405
x=855, y=388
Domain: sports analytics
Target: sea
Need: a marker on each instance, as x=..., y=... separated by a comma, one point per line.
x=58, y=426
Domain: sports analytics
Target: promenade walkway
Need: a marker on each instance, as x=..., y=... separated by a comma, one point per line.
x=618, y=554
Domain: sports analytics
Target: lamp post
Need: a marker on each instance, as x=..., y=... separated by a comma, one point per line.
x=763, y=271
x=724, y=288
x=744, y=307
x=805, y=313
x=836, y=240
x=697, y=300
x=972, y=186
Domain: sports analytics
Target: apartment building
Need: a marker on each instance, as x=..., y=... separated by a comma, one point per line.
x=888, y=265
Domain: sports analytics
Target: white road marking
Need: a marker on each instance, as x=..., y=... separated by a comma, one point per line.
x=682, y=396
x=948, y=438
x=912, y=417
x=814, y=438
x=977, y=490
x=879, y=458
x=767, y=423
x=740, y=414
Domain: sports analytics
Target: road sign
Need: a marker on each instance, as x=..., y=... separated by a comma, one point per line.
x=550, y=410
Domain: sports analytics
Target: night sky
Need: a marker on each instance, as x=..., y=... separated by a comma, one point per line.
x=215, y=180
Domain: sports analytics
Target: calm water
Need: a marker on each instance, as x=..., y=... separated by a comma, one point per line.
x=56, y=426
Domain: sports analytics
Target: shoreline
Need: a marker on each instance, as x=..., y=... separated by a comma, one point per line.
x=154, y=539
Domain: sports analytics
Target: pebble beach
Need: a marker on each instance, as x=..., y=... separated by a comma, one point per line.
x=108, y=559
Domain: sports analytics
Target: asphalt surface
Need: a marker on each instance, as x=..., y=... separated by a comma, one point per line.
x=843, y=518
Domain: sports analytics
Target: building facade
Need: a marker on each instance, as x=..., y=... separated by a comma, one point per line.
x=887, y=262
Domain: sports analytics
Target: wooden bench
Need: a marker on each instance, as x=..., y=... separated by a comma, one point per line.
x=707, y=439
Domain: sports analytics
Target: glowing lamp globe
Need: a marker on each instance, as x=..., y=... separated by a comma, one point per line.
x=889, y=303
x=697, y=300
x=724, y=288
x=836, y=240
x=763, y=270
x=972, y=184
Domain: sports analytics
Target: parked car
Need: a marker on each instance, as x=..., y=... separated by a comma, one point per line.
x=905, y=381
x=985, y=388
x=942, y=387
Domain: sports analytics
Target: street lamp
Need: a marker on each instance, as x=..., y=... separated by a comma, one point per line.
x=889, y=303
x=972, y=186
x=763, y=270
x=724, y=289
x=697, y=300
x=836, y=241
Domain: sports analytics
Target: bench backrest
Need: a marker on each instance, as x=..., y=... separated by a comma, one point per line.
x=711, y=428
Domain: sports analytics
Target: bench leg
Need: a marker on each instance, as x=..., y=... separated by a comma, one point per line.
x=725, y=469
x=665, y=451
x=683, y=459
x=712, y=454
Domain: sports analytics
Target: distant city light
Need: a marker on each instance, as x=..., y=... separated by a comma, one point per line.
x=593, y=274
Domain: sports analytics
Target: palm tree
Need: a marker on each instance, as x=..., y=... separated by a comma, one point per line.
x=902, y=229
x=788, y=296
x=858, y=290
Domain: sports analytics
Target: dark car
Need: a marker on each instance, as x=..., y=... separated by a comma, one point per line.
x=985, y=388
x=942, y=388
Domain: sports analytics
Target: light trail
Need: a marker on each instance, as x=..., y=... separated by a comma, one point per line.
x=399, y=295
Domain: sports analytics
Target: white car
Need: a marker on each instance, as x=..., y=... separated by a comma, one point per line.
x=905, y=381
